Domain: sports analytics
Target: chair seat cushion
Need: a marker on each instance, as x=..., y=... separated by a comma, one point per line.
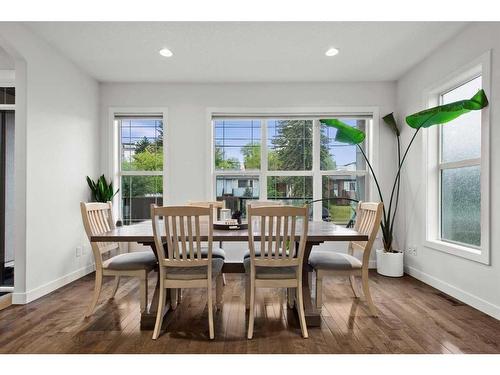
x=131, y=261
x=271, y=272
x=194, y=273
x=217, y=252
x=329, y=260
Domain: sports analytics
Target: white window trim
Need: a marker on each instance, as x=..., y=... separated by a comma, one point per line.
x=372, y=132
x=114, y=151
x=480, y=66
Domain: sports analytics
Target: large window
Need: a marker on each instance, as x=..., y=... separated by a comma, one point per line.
x=141, y=165
x=300, y=162
x=458, y=170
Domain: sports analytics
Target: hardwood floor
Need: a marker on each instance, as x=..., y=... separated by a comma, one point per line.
x=414, y=318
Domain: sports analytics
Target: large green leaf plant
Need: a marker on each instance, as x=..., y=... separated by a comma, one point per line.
x=424, y=119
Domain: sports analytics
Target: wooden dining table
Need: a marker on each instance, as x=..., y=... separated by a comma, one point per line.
x=318, y=232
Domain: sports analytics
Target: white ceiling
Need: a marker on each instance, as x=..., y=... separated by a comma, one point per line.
x=246, y=51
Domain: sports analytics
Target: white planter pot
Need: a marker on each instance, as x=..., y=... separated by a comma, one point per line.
x=389, y=264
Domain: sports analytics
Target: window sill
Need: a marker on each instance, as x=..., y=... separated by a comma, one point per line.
x=470, y=253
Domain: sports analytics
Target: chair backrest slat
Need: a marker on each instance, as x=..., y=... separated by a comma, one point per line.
x=190, y=236
x=198, y=235
x=175, y=242
x=275, y=228
x=291, y=245
x=285, y=236
x=278, y=236
x=269, y=237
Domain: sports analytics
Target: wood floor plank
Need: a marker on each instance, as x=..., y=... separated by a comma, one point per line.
x=413, y=318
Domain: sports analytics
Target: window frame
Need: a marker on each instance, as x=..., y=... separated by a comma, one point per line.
x=316, y=173
x=114, y=156
x=434, y=166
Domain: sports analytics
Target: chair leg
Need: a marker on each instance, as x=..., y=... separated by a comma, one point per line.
x=162, y=299
x=174, y=298
x=252, y=309
x=247, y=291
x=352, y=280
x=97, y=293
x=143, y=289
x=115, y=287
x=179, y=296
x=290, y=297
x=224, y=282
x=210, y=311
x=219, y=286
x=366, y=291
x=319, y=290
x=300, y=309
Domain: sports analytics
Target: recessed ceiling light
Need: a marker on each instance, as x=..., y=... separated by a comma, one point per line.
x=331, y=52
x=165, y=52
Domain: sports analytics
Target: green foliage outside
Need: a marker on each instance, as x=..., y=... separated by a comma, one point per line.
x=340, y=214
x=148, y=156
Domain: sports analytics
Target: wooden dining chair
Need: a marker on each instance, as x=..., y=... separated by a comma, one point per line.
x=183, y=264
x=278, y=262
x=327, y=263
x=267, y=203
x=217, y=205
x=98, y=218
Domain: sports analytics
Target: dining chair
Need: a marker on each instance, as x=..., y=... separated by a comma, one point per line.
x=257, y=203
x=278, y=262
x=246, y=254
x=327, y=263
x=183, y=264
x=217, y=205
x=98, y=218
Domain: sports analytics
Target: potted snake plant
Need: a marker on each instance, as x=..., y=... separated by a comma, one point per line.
x=101, y=190
x=389, y=259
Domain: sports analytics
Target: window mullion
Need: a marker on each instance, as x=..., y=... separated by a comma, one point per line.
x=263, y=161
x=460, y=164
x=316, y=169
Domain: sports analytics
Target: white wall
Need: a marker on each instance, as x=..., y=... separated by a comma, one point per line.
x=6, y=61
x=57, y=137
x=187, y=130
x=472, y=282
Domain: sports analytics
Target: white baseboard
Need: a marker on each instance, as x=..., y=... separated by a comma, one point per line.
x=372, y=264
x=459, y=294
x=31, y=295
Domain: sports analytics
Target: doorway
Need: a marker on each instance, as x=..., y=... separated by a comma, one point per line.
x=7, y=119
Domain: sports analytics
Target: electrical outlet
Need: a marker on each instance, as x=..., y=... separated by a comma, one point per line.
x=412, y=250
x=79, y=251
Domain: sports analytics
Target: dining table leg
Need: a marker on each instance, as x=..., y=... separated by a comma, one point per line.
x=148, y=316
x=312, y=313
